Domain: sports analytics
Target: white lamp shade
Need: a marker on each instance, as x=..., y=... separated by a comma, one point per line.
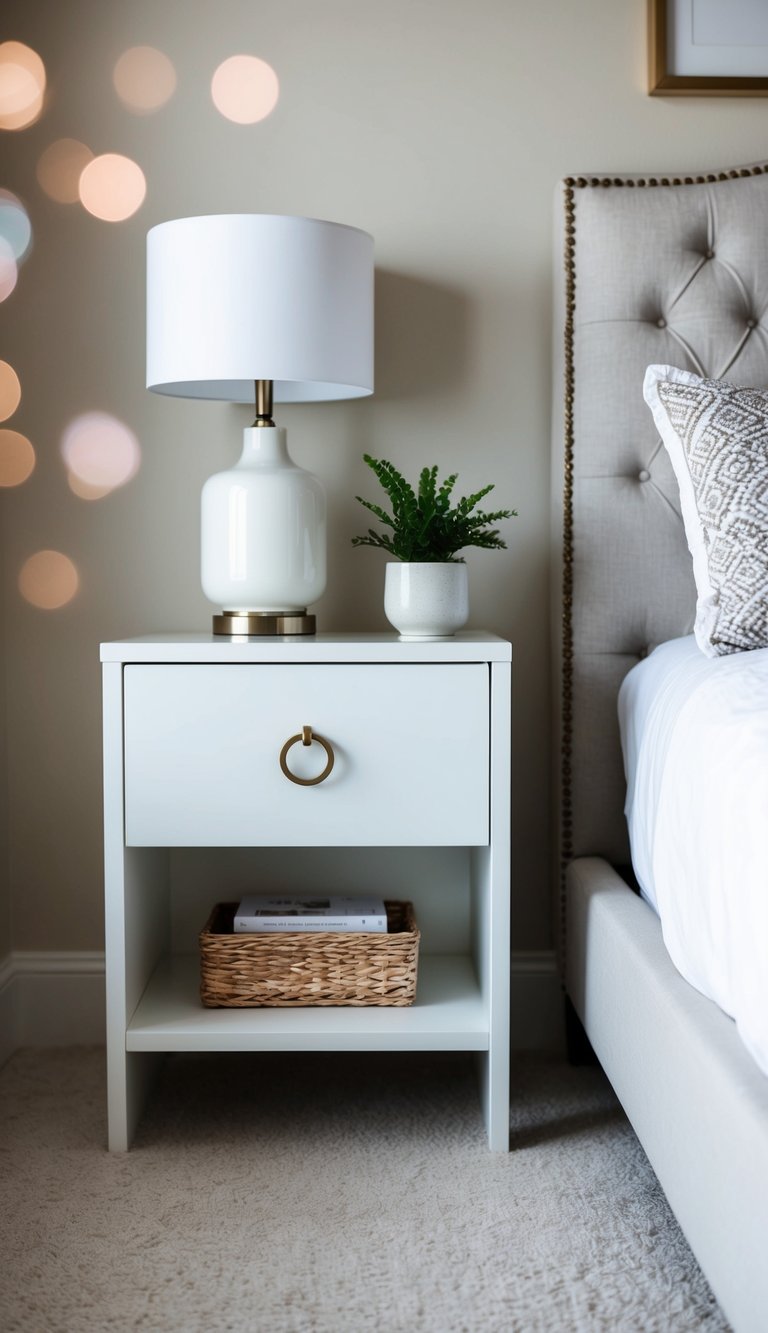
x=237, y=297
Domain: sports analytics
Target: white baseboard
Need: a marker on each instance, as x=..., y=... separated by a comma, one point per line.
x=8, y=1011
x=57, y=999
x=51, y=999
x=537, y=1002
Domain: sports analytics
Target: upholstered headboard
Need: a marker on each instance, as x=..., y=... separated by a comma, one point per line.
x=669, y=269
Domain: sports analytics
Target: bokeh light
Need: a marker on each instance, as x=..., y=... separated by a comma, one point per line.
x=144, y=79
x=60, y=167
x=245, y=89
x=100, y=453
x=9, y=270
x=17, y=458
x=112, y=187
x=22, y=85
x=84, y=490
x=15, y=226
x=48, y=580
x=10, y=391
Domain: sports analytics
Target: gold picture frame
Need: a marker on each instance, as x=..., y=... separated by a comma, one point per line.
x=665, y=81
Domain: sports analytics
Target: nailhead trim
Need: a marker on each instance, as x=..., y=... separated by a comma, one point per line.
x=640, y=182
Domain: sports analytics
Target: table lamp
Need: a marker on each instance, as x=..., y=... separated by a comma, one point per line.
x=255, y=306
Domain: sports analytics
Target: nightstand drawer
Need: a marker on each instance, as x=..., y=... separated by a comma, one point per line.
x=410, y=746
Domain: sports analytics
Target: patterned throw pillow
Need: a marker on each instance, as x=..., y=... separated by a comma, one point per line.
x=716, y=435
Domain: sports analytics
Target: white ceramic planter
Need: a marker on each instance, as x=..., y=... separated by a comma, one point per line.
x=426, y=600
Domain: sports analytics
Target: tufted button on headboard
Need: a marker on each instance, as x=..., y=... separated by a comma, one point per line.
x=667, y=270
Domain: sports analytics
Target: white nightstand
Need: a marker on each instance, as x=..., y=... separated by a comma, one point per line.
x=197, y=810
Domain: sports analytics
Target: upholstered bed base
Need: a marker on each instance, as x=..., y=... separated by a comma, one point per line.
x=667, y=270
x=697, y=1101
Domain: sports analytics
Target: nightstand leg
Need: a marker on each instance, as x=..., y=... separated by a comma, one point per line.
x=130, y=1081
x=493, y=1069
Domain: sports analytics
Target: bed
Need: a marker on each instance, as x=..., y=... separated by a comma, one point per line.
x=672, y=271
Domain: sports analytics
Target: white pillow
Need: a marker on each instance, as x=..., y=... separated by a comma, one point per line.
x=716, y=435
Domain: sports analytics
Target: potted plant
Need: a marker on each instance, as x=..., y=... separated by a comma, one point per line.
x=425, y=589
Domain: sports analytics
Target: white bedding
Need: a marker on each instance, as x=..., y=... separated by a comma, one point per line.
x=694, y=734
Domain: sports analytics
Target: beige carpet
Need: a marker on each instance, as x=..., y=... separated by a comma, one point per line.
x=332, y=1194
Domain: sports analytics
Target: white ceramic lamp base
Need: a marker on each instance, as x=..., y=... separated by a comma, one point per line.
x=263, y=539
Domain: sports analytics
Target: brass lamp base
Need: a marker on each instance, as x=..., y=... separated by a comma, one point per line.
x=252, y=623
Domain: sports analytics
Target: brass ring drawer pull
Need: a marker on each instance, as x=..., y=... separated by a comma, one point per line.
x=307, y=736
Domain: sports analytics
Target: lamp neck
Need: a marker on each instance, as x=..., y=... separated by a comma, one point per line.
x=266, y=447
x=264, y=395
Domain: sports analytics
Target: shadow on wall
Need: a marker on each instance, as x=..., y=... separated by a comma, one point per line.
x=421, y=335
x=421, y=351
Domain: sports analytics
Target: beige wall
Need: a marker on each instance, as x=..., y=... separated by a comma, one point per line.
x=441, y=126
x=6, y=929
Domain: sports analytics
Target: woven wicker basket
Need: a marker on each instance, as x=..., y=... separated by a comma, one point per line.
x=308, y=968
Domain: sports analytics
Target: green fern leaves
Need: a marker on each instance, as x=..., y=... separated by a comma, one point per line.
x=424, y=525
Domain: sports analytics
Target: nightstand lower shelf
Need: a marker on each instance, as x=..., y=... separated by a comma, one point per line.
x=447, y=1015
